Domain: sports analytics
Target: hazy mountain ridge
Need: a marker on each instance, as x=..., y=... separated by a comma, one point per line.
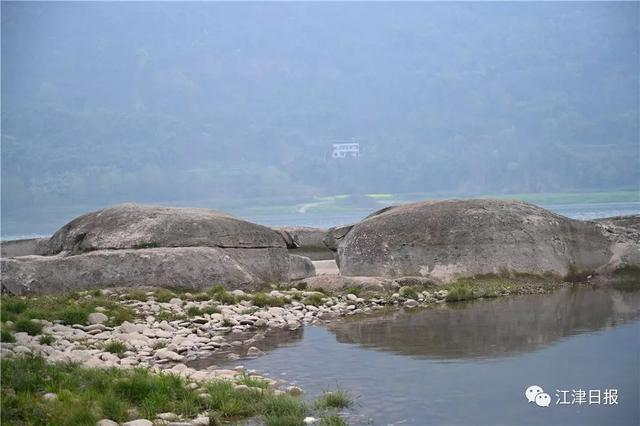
x=105, y=102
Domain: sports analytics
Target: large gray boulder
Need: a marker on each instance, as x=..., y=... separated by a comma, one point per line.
x=188, y=268
x=133, y=245
x=133, y=226
x=447, y=239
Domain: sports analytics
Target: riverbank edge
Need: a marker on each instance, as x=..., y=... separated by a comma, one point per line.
x=159, y=330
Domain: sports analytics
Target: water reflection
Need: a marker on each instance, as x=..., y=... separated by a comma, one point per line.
x=266, y=341
x=491, y=328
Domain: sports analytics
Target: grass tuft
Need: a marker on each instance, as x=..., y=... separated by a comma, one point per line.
x=333, y=420
x=263, y=300
x=334, y=399
x=115, y=347
x=6, y=336
x=353, y=290
x=409, y=292
x=194, y=311
x=163, y=295
x=460, y=292
x=28, y=326
x=46, y=339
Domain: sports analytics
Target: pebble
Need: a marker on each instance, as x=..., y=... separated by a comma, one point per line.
x=106, y=422
x=167, y=416
x=165, y=354
x=254, y=352
x=138, y=422
x=410, y=303
x=97, y=318
x=49, y=396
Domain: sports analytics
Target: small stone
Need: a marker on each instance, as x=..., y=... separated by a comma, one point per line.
x=253, y=351
x=97, y=318
x=106, y=422
x=410, y=303
x=167, y=416
x=138, y=422
x=352, y=297
x=294, y=391
x=49, y=396
x=176, y=301
x=310, y=420
x=200, y=421
x=22, y=350
x=168, y=355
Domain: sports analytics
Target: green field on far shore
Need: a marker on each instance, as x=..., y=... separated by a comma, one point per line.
x=350, y=202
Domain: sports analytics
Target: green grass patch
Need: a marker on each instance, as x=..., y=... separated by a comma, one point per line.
x=88, y=395
x=337, y=399
x=138, y=294
x=315, y=299
x=75, y=315
x=167, y=315
x=262, y=300
x=194, y=311
x=46, y=339
x=28, y=326
x=71, y=308
x=220, y=294
x=253, y=382
x=115, y=347
x=163, y=295
x=333, y=420
x=353, y=290
x=200, y=297
x=459, y=292
x=494, y=285
x=408, y=292
x=6, y=336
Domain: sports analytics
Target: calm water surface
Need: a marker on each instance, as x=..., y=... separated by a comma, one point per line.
x=469, y=363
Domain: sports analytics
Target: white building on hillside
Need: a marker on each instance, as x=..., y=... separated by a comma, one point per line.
x=344, y=150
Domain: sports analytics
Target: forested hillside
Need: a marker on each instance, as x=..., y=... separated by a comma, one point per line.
x=109, y=102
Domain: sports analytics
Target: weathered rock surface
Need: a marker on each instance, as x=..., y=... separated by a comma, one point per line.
x=624, y=234
x=26, y=247
x=300, y=267
x=133, y=226
x=338, y=283
x=185, y=267
x=443, y=240
x=133, y=245
x=306, y=241
x=631, y=221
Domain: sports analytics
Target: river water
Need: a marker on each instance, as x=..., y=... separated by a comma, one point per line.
x=470, y=363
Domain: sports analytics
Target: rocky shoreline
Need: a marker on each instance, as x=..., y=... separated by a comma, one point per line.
x=97, y=293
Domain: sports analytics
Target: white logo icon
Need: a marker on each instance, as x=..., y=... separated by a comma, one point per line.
x=532, y=392
x=543, y=399
x=536, y=394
